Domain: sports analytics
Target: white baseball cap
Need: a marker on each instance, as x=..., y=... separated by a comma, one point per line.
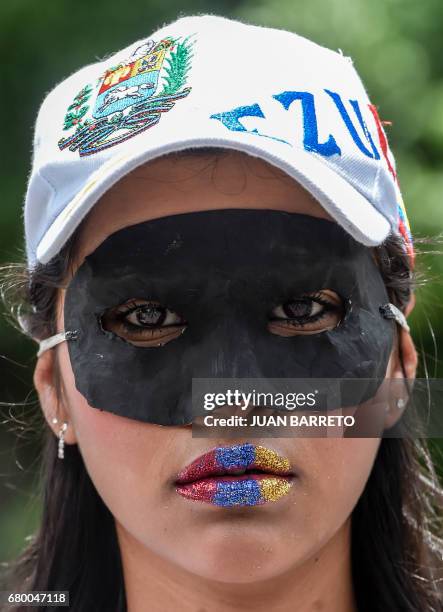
x=209, y=81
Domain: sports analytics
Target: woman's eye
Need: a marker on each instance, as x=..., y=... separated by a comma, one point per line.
x=143, y=322
x=307, y=314
x=298, y=309
x=152, y=315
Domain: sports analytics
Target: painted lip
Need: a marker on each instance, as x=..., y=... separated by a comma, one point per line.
x=240, y=475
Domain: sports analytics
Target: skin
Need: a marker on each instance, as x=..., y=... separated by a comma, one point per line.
x=293, y=554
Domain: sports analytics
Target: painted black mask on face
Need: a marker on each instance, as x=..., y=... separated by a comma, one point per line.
x=221, y=294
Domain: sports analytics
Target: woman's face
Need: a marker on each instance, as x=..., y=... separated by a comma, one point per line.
x=134, y=465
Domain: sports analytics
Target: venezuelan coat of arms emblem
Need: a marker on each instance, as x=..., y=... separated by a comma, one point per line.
x=129, y=98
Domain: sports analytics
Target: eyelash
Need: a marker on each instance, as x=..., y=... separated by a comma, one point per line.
x=299, y=321
x=129, y=308
x=315, y=297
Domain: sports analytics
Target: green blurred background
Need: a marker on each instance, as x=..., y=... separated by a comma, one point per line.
x=397, y=47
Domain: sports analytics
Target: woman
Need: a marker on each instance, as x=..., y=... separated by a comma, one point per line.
x=129, y=302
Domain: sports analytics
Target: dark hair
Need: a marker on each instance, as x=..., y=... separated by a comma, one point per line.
x=396, y=550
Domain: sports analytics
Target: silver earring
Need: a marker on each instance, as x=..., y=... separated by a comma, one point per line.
x=401, y=403
x=61, y=440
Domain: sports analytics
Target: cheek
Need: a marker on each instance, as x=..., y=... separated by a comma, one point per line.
x=337, y=470
x=126, y=460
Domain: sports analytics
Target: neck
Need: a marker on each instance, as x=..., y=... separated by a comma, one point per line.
x=320, y=582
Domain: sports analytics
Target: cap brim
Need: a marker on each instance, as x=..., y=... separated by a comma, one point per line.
x=337, y=196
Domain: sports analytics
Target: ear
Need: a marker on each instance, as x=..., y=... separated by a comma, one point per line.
x=51, y=401
x=404, y=363
x=406, y=352
x=411, y=304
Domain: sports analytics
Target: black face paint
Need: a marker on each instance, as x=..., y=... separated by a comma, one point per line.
x=222, y=272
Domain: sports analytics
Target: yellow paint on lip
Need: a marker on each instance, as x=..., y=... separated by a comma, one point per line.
x=274, y=487
x=267, y=458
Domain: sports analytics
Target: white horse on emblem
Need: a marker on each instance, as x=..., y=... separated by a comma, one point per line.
x=122, y=92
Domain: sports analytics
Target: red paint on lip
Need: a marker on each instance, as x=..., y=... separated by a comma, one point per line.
x=204, y=465
x=202, y=490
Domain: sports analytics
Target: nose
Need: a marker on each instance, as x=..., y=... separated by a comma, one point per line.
x=226, y=350
x=238, y=409
x=229, y=350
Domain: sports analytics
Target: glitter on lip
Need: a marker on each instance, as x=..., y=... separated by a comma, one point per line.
x=245, y=490
x=218, y=477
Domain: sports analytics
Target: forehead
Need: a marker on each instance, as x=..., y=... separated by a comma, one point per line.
x=192, y=182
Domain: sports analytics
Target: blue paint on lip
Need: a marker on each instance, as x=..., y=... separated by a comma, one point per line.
x=239, y=456
x=239, y=493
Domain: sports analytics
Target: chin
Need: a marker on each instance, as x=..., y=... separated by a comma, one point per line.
x=239, y=555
